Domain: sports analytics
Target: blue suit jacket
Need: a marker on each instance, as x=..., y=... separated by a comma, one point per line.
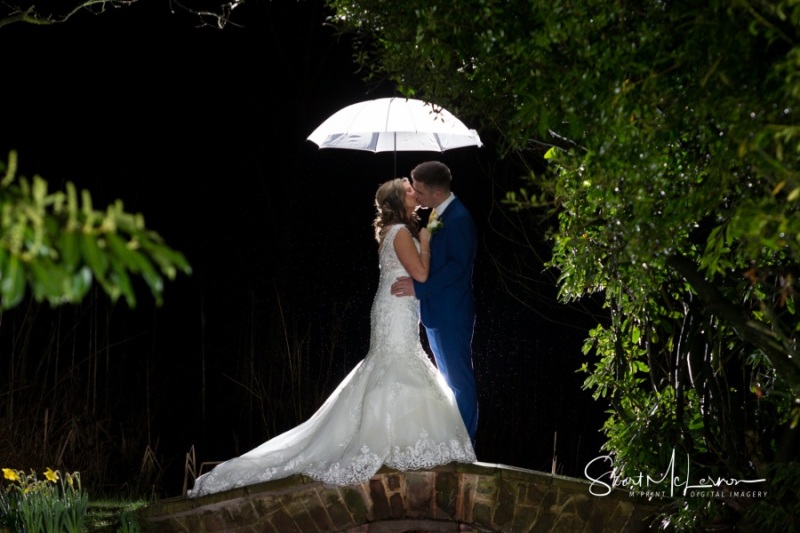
x=446, y=298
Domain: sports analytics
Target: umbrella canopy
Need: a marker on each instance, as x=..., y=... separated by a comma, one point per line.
x=394, y=125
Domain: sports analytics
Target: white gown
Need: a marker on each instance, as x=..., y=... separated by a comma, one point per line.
x=394, y=409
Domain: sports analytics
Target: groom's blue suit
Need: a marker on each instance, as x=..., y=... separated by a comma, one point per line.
x=447, y=306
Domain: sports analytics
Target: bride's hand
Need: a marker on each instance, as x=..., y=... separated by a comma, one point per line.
x=424, y=236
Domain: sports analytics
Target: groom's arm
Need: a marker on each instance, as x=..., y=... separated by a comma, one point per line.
x=460, y=248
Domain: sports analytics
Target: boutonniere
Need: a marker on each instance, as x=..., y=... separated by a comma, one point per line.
x=435, y=226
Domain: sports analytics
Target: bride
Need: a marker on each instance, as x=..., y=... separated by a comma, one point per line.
x=393, y=409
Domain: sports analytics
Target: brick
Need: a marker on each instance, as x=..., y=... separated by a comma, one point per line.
x=337, y=510
x=448, y=498
x=381, y=509
x=506, y=504
x=316, y=510
x=482, y=515
x=419, y=494
x=446, y=495
x=282, y=522
x=393, y=482
x=354, y=500
x=397, y=506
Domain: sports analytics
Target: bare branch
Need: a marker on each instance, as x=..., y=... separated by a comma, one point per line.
x=218, y=17
x=32, y=15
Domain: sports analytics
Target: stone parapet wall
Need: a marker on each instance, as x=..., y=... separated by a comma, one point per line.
x=457, y=497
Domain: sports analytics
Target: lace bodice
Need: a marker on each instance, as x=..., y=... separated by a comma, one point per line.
x=394, y=409
x=395, y=320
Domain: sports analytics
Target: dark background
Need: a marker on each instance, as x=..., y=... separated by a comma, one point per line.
x=203, y=131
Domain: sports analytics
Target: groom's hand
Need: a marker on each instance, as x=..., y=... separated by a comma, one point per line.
x=404, y=286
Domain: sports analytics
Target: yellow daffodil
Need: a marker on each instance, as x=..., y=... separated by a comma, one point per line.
x=10, y=474
x=50, y=475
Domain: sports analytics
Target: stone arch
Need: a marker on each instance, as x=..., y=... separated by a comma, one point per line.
x=453, y=498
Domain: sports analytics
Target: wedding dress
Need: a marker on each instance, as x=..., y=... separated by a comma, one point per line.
x=394, y=408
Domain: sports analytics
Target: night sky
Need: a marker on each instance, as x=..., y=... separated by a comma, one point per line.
x=203, y=131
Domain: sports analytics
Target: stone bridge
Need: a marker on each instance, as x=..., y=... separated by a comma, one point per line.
x=476, y=497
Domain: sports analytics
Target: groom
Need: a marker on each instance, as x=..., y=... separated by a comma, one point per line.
x=447, y=305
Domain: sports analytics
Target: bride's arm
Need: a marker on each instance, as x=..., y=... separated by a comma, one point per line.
x=417, y=264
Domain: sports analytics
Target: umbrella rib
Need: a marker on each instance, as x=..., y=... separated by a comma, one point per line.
x=389, y=114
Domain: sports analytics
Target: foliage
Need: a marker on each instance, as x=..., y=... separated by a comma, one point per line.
x=59, y=504
x=664, y=143
x=56, y=244
x=53, y=504
x=782, y=512
x=216, y=13
x=118, y=515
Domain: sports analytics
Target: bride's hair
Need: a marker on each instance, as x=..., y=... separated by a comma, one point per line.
x=390, y=202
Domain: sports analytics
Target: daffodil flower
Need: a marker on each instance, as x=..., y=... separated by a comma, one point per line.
x=50, y=475
x=10, y=474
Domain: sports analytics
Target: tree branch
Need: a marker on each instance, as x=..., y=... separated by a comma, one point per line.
x=32, y=15
x=782, y=356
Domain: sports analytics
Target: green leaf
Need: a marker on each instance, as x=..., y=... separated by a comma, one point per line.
x=70, y=251
x=77, y=285
x=47, y=281
x=93, y=256
x=119, y=277
x=12, y=284
x=126, y=255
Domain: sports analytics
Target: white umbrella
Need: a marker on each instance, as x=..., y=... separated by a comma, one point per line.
x=394, y=125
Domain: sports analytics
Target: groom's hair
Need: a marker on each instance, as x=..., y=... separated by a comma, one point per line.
x=434, y=174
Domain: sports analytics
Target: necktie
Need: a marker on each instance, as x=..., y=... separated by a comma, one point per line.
x=434, y=216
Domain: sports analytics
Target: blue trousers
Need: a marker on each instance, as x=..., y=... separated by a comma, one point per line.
x=452, y=348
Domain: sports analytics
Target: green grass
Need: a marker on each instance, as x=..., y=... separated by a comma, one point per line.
x=113, y=516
